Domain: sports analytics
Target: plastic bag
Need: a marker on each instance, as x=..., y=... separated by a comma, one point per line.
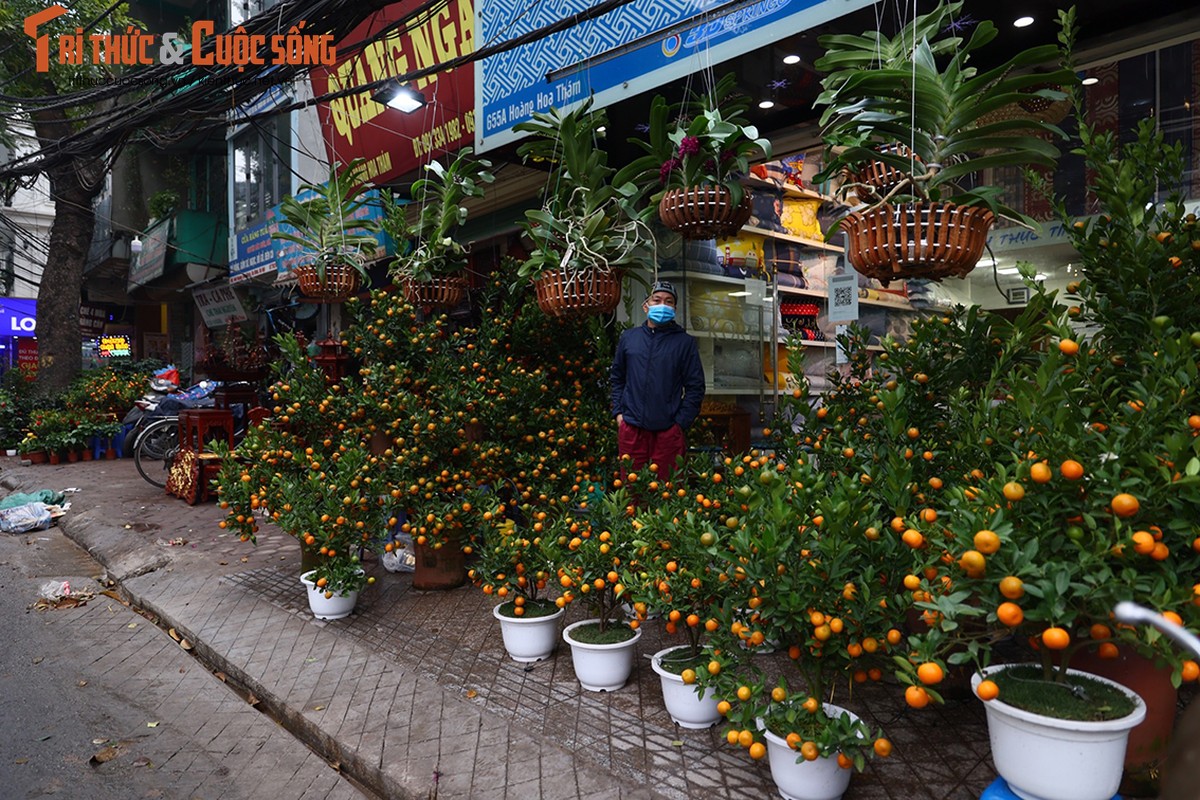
x=168, y=373
x=402, y=558
x=28, y=517
x=55, y=590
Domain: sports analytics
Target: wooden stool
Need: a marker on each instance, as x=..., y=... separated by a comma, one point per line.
x=197, y=426
x=225, y=396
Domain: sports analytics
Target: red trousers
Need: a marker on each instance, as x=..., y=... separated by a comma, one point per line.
x=651, y=447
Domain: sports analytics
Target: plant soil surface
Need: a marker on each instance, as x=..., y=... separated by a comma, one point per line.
x=533, y=609
x=1078, y=698
x=591, y=633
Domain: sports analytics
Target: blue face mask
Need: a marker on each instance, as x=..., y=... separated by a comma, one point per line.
x=660, y=314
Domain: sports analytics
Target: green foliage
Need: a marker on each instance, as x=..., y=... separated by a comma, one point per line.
x=438, y=201
x=326, y=223
x=705, y=141
x=880, y=92
x=582, y=224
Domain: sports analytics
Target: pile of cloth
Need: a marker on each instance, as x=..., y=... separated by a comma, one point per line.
x=21, y=512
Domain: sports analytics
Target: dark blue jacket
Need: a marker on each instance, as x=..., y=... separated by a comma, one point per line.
x=657, y=378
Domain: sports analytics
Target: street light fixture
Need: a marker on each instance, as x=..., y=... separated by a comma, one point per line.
x=404, y=99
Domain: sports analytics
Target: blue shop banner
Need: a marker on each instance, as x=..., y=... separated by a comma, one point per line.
x=18, y=317
x=631, y=49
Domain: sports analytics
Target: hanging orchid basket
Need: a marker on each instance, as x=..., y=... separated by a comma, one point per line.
x=703, y=212
x=443, y=292
x=340, y=282
x=916, y=240
x=578, y=293
x=874, y=180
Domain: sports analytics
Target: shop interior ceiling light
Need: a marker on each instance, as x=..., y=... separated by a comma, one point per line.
x=135, y=245
x=792, y=59
x=1022, y=22
x=766, y=104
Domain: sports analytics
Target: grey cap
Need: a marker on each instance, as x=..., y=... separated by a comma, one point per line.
x=664, y=286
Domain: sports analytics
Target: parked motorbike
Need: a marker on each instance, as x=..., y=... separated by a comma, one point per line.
x=164, y=399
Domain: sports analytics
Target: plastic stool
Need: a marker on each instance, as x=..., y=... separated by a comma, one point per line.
x=198, y=425
x=998, y=790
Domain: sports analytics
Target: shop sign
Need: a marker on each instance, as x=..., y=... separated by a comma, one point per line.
x=27, y=355
x=219, y=306
x=631, y=49
x=253, y=250
x=114, y=346
x=92, y=319
x=18, y=317
x=391, y=142
x=152, y=261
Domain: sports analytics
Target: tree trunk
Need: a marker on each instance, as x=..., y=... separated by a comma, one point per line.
x=73, y=187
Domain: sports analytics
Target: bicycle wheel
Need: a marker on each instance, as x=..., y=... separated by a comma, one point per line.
x=155, y=449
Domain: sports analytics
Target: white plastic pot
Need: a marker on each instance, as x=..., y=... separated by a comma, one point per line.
x=601, y=667
x=1044, y=758
x=687, y=707
x=322, y=607
x=797, y=779
x=529, y=639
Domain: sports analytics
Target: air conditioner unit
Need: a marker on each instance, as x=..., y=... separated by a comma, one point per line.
x=1018, y=296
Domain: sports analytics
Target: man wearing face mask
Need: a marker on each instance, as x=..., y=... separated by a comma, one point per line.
x=657, y=385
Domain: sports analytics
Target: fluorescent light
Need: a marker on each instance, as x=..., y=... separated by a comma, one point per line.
x=1008, y=271
x=739, y=294
x=792, y=59
x=1022, y=22
x=1090, y=81
x=766, y=104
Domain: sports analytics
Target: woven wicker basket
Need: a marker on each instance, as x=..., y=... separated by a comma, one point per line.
x=877, y=178
x=564, y=293
x=441, y=292
x=918, y=240
x=703, y=212
x=341, y=281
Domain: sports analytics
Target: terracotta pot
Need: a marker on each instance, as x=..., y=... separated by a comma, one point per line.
x=703, y=212
x=1148, y=741
x=341, y=281
x=444, y=567
x=440, y=292
x=110, y=454
x=86, y=454
x=72, y=456
x=55, y=458
x=36, y=457
x=567, y=294
x=916, y=240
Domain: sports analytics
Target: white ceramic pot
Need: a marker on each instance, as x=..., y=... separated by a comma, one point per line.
x=529, y=639
x=10, y=452
x=336, y=607
x=601, y=667
x=1044, y=758
x=797, y=779
x=686, y=706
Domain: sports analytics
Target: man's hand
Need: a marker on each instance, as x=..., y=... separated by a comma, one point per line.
x=620, y=419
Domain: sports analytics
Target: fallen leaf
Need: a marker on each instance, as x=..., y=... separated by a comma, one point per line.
x=677, y=743
x=173, y=634
x=252, y=700
x=107, y=754
x=223, y=563
x=221, y=676
x=81, y=684
x=185, y=644
x=131, y=625
x=21, y=761
x=99, y=741
x=38, y=660
x=471, y=693
x=318, y=708
x=245, y=559
x=151, y=724
x=142, y=761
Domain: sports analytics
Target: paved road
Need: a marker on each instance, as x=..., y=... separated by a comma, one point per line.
x=99, y=703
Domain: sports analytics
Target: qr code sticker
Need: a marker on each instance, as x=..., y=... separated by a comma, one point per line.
x=843, y=296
